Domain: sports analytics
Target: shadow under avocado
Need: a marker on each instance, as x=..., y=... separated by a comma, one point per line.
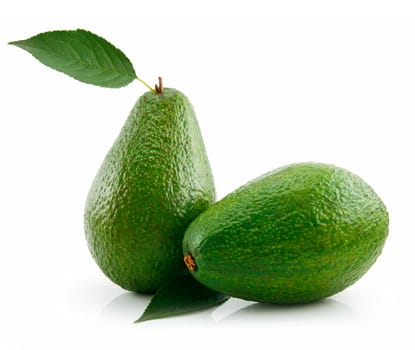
x=326, y=310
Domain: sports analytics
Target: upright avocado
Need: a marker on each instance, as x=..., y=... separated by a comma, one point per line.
x=154, y=181
x=297, y=234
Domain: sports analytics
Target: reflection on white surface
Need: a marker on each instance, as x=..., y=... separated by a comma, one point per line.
x=323, y=311
x=125, y=308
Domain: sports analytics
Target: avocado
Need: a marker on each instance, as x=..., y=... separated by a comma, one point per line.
x=154, y=181
x=294, y=235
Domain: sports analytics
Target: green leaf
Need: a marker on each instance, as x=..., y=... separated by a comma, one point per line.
x=81, y=55
x=180, y=295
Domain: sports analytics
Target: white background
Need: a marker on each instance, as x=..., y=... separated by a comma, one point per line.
x=311, y=81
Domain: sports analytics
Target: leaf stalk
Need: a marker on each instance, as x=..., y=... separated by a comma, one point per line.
x=147, y=85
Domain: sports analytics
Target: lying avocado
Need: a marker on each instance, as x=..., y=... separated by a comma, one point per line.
x=297, y=234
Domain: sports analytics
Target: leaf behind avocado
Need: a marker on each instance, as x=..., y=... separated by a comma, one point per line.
x=181, y=295
x=82, y=55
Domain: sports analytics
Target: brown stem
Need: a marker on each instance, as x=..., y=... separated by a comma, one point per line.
x=190, y=262
x=159, y=86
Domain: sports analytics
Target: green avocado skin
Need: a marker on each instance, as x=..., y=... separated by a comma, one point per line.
x=294, y=235
x=154, y=181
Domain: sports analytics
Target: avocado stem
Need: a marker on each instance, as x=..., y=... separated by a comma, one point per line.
x=190, y=262
x=159, y=87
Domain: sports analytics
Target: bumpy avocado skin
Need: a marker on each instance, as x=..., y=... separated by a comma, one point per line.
x=154, y=181
x=297, y=234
